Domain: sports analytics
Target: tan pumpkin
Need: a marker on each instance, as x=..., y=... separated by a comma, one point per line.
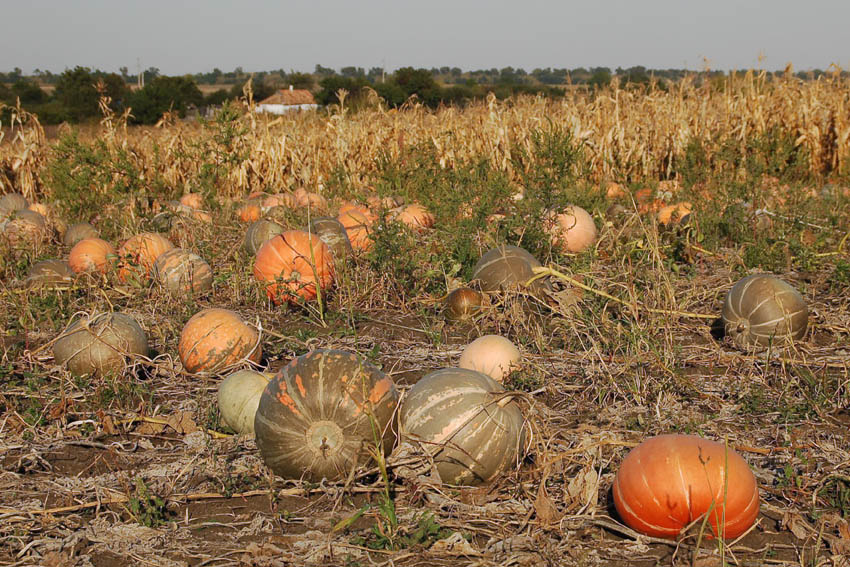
x=571, y=230
x=138, y=254
x=238, y=398
x=184, y=272
x=77, y=232
x=416, y=217
x=11, y=202
x=92, y=254
x=463, y=303
x=334, y=235
x=465, y=420
x=50, y=272
x=492, y=355
x=507, y=266
x=259, y=233
x=321, y=413
x=286, y=200
x=762, y=310
x=294, y=263
x=192, y=200
x=307, y=199
x=25, y=227
x=215, y=339
x=101, y=344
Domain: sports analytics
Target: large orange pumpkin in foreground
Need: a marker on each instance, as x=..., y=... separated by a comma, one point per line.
x=138, y=254
x=321, y=414
x=669, y=481
x=294, y=263
x=90, y=254
x=214, y=339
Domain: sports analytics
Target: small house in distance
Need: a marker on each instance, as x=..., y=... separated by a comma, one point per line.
x=288, y=100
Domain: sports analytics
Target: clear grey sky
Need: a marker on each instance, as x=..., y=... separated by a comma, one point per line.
x=187, y=36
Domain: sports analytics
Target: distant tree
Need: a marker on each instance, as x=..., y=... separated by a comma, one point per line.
x=29, y=92
x=352, y=72
x=77, y=93
x=392, y=94
x=125, y=73
x=600, y=78
x=331, y=84
x=419, y=82
x=163, y=94
x=217, y=97
x=375, y=74
x=260, y=89
x=300, y=80
x=324, y=71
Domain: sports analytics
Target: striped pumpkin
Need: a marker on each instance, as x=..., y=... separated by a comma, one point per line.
x=762, y=310
x=91, y=254
x=181, y=271
x=320, y=414
x=294, y=263
x=507, y=266
x=101, y=344
x=464, y=419
x=214, y=339
x=238, y=398
x=259, y=233
x=137, y=255
x=334, y=235
x=77, y=232
x=667, y=482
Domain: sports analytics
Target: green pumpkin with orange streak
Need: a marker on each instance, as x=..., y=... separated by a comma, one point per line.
x=321, y=413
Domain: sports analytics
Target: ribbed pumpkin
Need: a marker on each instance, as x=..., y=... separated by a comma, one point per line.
x=358, y=226
x=462, y=303
x=669, y=481
x=334, y=235
x=571, y=230
x=320, y=414
x=91, y=254
x=192, y=200
x=294, y=263
x=238, y=398
x=492, y=355
x=761, y=310
x=214, y=339
x=50, y=272
x=259, y=233
x=138, y=254
x=25, y=227
x=286, y=200
x=101, y=344
x=249, y=212
x=11, y=202
x=77, y=232
x=182, y=271
x=507, y=266
x=307, y=199
x=416, y=217
x=465, y=420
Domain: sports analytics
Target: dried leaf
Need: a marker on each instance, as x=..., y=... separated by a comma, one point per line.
x=797, y=525
x=454, y=545
x=182, y=422
x=583, y=489
x=547, y=512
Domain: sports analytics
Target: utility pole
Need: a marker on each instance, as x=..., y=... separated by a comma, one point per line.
x=141, y=81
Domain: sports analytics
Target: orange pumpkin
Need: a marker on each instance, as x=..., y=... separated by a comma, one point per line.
x=214, y=339
x=294, y=263
x=280, y=200
x=614, y=191
x=670, y=481
x=138, y=254
x=249, y=212
x=304, y=198
x=672, y=214
x=358, y=226
x=416, y=217
x=192, y=200
x=572, y=230
x=91, y=254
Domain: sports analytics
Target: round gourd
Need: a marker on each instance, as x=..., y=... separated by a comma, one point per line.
x=259, y=233
x=50, y=272
x=358, y=226
x=100, y=344
x=506, y=266
x=181, y=271
x=214, y=339
x=572, y=230
x=669, y=481
x=492, y=355
x=138, y=254
x=334, y=235
x=77, y=232
x=762, y=310
x=91, y=254
x=238, y=398
x=25, y=226
x=416, y=217
x=467, y=423
x=192, y=200
x=294, y=263
x=11, y=202
x=320, y=414
x=463, y=303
